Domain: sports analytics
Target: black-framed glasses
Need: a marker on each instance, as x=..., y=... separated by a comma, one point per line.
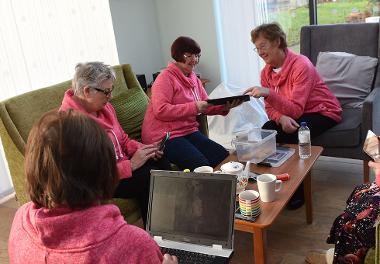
x=192, y=56
x=106, y=92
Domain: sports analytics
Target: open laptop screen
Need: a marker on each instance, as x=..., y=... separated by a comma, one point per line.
x=192, y=207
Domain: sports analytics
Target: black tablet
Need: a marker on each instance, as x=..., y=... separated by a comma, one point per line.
x=224, y=100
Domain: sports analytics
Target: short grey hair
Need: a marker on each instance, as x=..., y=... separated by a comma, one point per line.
x=91, y=74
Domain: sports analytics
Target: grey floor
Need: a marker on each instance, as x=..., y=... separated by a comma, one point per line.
x=289, y=238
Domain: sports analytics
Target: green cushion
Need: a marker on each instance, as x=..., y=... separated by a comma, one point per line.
x=128, y=208
x=119, y=84
x=370, y=256
x=130, y=107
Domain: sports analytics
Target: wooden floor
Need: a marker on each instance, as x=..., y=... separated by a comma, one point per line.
x=290, y=238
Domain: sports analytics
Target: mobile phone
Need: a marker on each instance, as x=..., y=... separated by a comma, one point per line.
x=161, y=145
x=371, y=146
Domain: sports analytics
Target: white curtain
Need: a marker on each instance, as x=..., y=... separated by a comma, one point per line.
x=41, y=41
x=240, y=66
x=235, y=19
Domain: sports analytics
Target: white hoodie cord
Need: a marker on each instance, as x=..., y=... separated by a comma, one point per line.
x=118, y=145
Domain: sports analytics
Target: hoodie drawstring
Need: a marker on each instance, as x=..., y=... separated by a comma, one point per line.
x=118, y=145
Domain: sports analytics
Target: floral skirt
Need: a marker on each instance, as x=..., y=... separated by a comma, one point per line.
x=353, y=232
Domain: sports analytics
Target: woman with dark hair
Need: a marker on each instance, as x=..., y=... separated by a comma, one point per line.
x=71, y=172
x=91, y=91
x=293, y=91
x=178, y=97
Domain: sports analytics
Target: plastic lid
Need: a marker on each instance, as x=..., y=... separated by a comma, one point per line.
x=303, y=124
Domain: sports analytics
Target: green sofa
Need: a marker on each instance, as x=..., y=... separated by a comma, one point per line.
x=18, y=114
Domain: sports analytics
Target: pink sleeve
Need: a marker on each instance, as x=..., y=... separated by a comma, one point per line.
x=271, y=112
x=124, y=168
x=162, y=94
x=302, y=82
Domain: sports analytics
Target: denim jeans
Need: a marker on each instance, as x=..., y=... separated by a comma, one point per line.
x=194, y=150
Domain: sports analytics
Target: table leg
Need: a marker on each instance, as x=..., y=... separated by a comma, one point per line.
x=259, y=244
x=308, y=199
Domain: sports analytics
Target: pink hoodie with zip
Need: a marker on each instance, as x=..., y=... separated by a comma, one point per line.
x=97, y=234
x=124, y=146
x=298, y=89
x=172, y=107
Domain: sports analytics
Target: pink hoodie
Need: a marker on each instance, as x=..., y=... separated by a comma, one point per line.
x=124, y=146
x=173, y=105
x=97, y=234
x=298, y=89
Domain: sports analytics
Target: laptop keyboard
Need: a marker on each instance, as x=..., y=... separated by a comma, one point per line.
x=187, y=257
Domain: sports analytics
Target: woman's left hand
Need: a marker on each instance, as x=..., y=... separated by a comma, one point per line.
x=257, y=91
x=375, y=165
x=232, y=104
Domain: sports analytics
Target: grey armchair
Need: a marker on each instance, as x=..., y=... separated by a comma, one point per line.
x=345, y=140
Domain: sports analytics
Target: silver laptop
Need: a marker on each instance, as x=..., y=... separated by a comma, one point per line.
x=192, y=212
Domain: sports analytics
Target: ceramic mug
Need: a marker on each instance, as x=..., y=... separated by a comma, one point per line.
x=268, y=185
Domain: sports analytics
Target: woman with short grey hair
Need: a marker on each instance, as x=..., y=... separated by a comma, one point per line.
x=91, y=91
x=91, y=74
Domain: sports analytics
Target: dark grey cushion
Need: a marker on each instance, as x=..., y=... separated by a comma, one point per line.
x=348, y=76
x=344, y=134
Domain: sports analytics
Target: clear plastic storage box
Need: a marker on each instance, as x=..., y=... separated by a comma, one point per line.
x=255, y=145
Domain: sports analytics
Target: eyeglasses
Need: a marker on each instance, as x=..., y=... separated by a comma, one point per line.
x=263, y=47
x=192, y=56
x=106, y=92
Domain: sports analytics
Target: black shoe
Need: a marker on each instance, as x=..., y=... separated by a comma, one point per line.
x=297, y=200
x=294, y=204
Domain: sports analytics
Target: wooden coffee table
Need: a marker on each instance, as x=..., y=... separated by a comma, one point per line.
x=299, y=171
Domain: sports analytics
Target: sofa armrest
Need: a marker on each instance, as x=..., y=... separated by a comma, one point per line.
x=371, y=112
x=203, y=125
x=15, y=160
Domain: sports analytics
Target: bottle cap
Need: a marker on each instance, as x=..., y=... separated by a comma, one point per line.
x=303, y=124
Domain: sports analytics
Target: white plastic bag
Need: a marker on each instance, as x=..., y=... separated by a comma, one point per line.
x=248, y=115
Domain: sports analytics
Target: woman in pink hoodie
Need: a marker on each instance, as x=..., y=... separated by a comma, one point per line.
x=91, y=90
x=71, y=172
x=293, y=92
x=178, y=97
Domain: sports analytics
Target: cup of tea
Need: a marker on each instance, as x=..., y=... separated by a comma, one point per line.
x=204, y=169
x=268, y=186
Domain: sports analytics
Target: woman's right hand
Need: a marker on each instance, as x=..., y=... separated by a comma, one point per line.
x=257, y=91
x=201, y=106
x=142, y=155
x=169, y=259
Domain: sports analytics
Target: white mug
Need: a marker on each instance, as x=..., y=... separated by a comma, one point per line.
x=202, y=169
x=268, y=186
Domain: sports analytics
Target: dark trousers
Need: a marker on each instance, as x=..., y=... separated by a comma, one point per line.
x=317, y=124
x=194, y=150
x=137, y=186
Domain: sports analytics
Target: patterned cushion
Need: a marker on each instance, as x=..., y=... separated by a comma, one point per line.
x=130, y=107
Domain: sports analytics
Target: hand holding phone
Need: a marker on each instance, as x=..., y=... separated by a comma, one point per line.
x=161, y=145
x=371, y=146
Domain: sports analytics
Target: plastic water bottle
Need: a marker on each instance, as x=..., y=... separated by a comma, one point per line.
x=304, y=143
